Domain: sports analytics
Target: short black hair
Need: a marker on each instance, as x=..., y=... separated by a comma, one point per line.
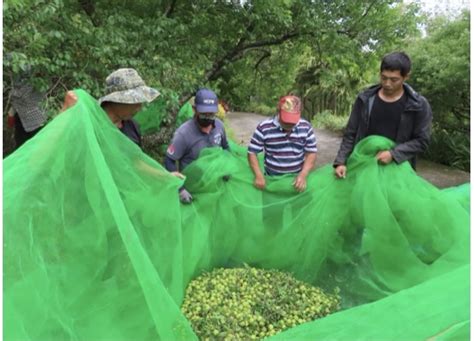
x=396, y=61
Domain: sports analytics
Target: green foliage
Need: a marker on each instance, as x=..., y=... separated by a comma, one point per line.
x=449, y=148
x=327, y=120
x=346, y=60
x=250, y=52
x=230, y=133
x=261, y=109
x=69, y=48
x=247, y=51
x=260, y=79
x=441, y=74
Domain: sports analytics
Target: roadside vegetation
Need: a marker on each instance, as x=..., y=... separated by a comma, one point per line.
x=250, y=52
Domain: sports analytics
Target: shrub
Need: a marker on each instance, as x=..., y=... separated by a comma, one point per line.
x=327, y=120
x=261, y=109
x=448, y=148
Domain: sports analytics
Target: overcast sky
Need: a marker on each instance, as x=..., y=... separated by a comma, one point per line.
x=450, y=7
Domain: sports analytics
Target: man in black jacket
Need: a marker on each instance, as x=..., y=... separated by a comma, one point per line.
x=391, y=109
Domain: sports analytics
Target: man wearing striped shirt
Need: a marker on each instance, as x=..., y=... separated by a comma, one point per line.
x=288, y=143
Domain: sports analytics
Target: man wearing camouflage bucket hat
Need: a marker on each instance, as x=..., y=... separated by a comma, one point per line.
x=125, y=93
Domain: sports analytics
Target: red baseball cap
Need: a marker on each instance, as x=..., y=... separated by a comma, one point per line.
x=290, y=109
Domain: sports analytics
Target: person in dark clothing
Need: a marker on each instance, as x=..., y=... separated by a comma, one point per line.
x=125, y=93
x=26, y=115
x=121, y=115
x=204, y=130
x=391, y=109
x=21, y=134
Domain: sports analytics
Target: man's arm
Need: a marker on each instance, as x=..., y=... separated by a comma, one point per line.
x=171, y=167
x=224, y=142
x=174, y=152
x=11, y=118
x=69, y=100
x=170, y=164
x=308, y=166
x=347, y=144
x=421, y=136
x=142, y=166
x=259, y=181
x=256, y=146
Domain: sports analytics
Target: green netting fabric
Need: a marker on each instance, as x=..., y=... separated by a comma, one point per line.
x=98, y=247
x=184, y=114
x=151, y=117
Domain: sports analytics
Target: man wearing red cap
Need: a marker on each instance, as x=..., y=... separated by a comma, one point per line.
x=288, y=142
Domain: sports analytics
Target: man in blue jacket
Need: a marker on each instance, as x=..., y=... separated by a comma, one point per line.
x=391, y=109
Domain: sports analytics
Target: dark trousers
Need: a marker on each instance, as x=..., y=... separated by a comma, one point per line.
x=21, y=135
x=279, y=212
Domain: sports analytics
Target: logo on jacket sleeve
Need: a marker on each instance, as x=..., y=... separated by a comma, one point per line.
x=217, y=139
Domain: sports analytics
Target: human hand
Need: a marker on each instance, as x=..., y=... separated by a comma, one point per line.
x=259, y=182
x=340, y=171
x=300, y=182
x=178, y=175
x=184, y=196
x=384, y=157
x=69, y=100
x=10, y=121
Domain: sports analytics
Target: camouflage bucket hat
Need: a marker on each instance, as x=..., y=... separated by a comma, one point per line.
x=126, y=86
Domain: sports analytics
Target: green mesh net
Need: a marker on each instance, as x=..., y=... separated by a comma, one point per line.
x=184, y=114
x=151, y=116
x=98, y=247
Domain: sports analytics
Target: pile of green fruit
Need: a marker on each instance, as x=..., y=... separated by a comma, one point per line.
x=249, y=304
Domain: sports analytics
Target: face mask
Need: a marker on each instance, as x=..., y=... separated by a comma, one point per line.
x=205, y=121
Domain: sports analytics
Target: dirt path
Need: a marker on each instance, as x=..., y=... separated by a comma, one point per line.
x=243, y=125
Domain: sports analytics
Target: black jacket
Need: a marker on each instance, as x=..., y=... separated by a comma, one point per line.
x=413, y=132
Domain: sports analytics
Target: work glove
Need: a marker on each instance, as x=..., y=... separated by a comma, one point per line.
x=184, y=196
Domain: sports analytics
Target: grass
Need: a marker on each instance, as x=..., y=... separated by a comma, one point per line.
x=329, y=121
x=261, y=109
x=228, y=130
x=449, y=148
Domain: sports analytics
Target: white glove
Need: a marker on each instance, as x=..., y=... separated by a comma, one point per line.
x=184, y=196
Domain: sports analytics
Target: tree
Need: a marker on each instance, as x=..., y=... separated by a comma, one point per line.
x=342, y=64
x=181, y=45
x=441, y=74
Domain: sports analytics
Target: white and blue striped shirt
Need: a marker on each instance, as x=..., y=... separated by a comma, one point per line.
x=284, y=152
